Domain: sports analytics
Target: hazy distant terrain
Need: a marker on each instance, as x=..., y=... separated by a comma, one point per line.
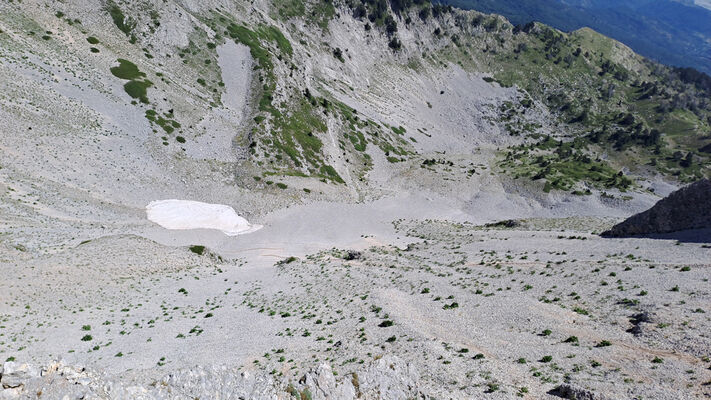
x=673, y=32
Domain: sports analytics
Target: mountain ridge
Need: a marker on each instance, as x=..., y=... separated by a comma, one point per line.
x=672, y=32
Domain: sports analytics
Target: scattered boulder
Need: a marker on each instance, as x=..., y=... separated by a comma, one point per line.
x=685, y=209
x=15, y=375
x=352, y=255
x=509, y=223
x=386, y=378
x=637, y=320
x=571, y=392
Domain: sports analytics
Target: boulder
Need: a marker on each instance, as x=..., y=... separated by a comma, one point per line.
x=571, y=392
x=15, y=375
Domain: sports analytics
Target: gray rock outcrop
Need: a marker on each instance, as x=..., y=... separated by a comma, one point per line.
x=388, y=377
x=685, y=209
x=13, y=375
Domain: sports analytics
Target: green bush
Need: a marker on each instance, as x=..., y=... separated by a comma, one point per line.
x=197, y=249
x=125, y=24
x=138, y=89
x=126, y=70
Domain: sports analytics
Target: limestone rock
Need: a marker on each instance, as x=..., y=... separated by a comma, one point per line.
x=687, y=208
x=15, y=375
x=10, y=394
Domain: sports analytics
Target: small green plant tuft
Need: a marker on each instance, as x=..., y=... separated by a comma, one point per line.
x=197, y=249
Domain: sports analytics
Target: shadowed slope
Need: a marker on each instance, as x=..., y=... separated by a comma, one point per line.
x=686, y=209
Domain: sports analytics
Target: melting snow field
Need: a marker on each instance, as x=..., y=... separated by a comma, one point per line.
x=186, y=214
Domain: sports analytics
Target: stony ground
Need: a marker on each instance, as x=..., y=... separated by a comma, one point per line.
x=478, y=311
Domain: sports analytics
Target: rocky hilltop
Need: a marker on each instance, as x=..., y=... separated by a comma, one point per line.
x=685, y=209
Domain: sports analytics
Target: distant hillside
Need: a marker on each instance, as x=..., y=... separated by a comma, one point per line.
x=672, y=32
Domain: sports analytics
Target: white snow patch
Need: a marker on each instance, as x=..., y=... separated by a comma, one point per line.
x=187, y=214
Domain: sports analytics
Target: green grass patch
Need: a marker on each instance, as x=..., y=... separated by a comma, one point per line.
x=358, y=140
x=291, y=8
x=331, y=173
x=272, y=33
x=125, y=24
x=295, y=134
x=167, y=124
x=253, y=40
x=126, y=70
x=138, y=89
x=197, y=249
x=393, y=159
x=399, y=130
x=563, y=165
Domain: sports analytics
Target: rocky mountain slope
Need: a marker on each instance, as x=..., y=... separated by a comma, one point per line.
x=687, y=208
x=674, y=32
x=378, y=144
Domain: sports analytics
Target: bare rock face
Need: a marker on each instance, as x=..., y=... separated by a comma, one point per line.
x=386, y=378
x=687, y=208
